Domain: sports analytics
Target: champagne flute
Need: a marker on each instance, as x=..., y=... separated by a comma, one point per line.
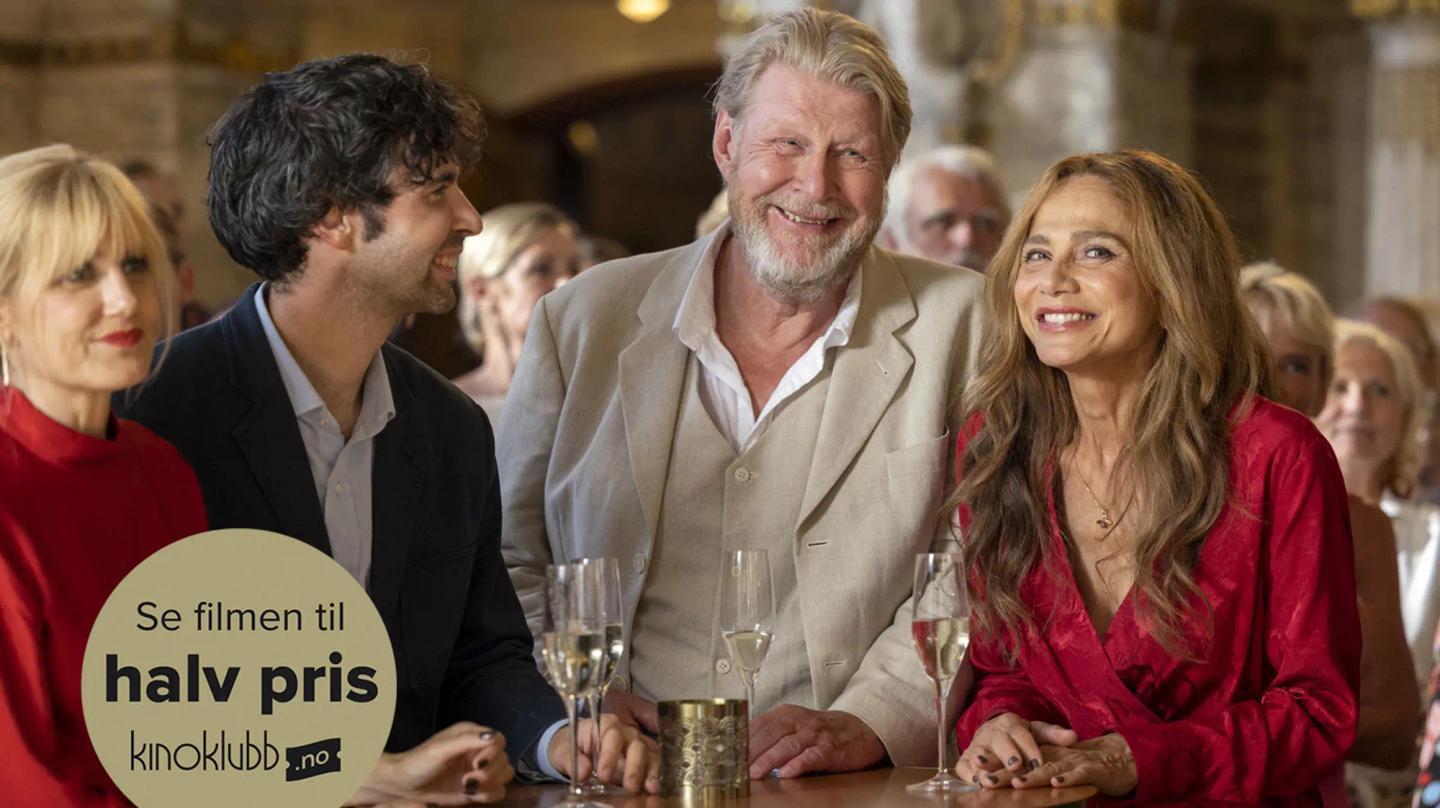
x=613, y=619
x=747, y=613
x=941, y=629
x=573, y=647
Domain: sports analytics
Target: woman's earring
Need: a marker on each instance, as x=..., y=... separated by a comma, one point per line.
x=4, y=367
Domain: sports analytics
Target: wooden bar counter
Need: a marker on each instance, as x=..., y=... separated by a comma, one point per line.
x=881, y=788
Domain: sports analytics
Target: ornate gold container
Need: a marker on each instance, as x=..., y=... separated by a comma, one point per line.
x=704, y=750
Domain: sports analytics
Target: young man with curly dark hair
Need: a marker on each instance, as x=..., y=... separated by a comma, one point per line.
x=337, y=183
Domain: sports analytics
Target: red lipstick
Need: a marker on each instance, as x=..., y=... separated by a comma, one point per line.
x=124, y=339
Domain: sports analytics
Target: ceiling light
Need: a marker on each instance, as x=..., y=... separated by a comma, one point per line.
x=642, y=10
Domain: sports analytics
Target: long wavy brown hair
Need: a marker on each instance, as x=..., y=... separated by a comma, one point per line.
x=1209, y=360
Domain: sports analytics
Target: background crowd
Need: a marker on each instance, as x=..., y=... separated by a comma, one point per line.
x=1082, y=373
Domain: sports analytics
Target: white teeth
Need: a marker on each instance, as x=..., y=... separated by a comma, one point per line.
x=799, y=219
x=449, y=262
x=1059, y=318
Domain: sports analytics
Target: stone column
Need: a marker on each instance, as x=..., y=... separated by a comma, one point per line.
x=1094, y=75
x=146, y=79
x=937, y=45
x=20, y=38
x=1402, y=224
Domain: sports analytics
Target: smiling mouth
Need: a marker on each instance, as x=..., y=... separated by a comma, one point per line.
x=798, y=219
x=1064, y=318
x=446, y=262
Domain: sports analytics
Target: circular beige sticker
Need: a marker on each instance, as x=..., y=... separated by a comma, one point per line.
x=238, y=668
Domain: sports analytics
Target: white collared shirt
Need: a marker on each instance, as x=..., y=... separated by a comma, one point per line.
x=722, y=388
x=341, y=469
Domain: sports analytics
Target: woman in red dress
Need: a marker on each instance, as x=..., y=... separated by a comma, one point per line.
x=1161, y=564
x=85, y=292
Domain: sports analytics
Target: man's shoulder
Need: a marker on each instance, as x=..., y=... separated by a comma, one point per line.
x=930, y=280
x=434, y=394
x=200, y=347
x=619, y=286
x=187, y=370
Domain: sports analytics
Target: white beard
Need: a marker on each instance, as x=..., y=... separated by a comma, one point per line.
x=784, y=279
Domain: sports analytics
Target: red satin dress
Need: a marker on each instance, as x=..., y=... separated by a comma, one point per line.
x=1267, y=708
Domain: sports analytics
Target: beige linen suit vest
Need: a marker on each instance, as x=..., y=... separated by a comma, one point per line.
x=585, y=443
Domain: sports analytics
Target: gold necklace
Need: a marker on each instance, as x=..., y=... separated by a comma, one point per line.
x=1105, y=522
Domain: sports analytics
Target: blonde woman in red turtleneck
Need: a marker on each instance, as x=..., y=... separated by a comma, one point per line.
x=85, y=292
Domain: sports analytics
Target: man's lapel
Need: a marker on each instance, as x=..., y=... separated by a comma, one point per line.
x=652, y=372
x=397, y=480
x=268, y=436
x=868, y=372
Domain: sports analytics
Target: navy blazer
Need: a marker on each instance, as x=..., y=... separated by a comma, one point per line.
x=462, y=647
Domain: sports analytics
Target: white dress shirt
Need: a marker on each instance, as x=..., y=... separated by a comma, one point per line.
x=342, y=470
x=722, y=388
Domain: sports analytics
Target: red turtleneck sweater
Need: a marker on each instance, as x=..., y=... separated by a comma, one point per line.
x=76, y=514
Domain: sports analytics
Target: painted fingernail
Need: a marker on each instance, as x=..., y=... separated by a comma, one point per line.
x=981, y=758
x=482, y=763
x=1034, y=764
x=992, y=778
x=1060, y=779
x=975, y=779
x=471, y=787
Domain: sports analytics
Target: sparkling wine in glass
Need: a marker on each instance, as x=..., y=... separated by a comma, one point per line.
x=940, y=628
x=613, y=619
x=747, y=613
x=573, y=647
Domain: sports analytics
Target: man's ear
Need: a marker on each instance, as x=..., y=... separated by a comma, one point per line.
x=725, y=141
x=337, y=229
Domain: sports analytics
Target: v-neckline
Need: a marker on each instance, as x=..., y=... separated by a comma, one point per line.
x=1123, y=611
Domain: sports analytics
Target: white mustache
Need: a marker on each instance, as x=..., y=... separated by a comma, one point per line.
x=811, y=210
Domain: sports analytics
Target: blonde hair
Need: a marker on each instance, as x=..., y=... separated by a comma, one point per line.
x=832, y=46
x=1400, y=471
x=59, y=207
x=1208, y=362
x=509, y=231
x=1299, y=305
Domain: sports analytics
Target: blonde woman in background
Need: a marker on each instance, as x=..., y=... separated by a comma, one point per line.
x=1405, y=319
x=524, y=251
x=1369, y=417
x=1299, y=329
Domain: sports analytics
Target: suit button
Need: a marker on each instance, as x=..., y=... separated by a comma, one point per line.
x=742, y=475
x=723, y=666
x=638, y=564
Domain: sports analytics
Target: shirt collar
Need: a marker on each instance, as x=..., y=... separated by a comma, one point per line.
x=695, y=321
x=377, y=404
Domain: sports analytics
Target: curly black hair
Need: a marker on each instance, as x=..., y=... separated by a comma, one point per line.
x=328, y=133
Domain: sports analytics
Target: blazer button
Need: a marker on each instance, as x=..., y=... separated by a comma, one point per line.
x=638, y=564
x=742, y=475
x=723, y=666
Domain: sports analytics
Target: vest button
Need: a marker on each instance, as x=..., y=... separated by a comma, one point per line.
x=638, y=563
x=742, y=475
x=723, y=665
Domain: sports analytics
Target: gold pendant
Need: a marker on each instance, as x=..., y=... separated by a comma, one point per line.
x=1104, y=521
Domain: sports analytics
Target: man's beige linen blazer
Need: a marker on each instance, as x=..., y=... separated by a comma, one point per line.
x=585, y=439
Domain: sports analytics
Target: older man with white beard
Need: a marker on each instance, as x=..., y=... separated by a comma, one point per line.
x=781, y=384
